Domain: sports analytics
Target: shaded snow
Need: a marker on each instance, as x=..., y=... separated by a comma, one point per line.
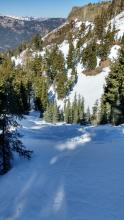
x=62, y=183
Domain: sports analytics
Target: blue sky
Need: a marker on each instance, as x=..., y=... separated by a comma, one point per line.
x=43, y=8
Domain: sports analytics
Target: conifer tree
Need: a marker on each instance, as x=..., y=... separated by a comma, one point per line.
x=94, y=117
x=9, y=141
x=48, y=114
x=114, y=90
x=87, y=116
x=89, y=56
x=67, y=112
x=55, y=113
x=71, y=56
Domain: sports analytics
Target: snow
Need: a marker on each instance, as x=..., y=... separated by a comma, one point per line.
x=75, y=43
x=25, y=18
x=114, y=52
x=51, y=93
x=64, y=48
x=118, y=21
x=19, y=60
x=78, y=24
x=98, y=61
x=39, y=53
x=89, y=87
x=75, y=173
x=69, y=73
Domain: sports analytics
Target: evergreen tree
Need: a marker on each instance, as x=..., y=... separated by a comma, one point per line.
x=89, y=58
x=81, y=110
x=55, y=113
x=71, y=56
x=36, y=43
x=94, y=117
x=48, y=114
x=61, y=85
x=114, y=90
x=9, y=141
x=87, y=116
x=75, y=110
x=68, y=112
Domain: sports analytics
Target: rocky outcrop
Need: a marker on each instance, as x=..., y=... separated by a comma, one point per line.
x=88, y=12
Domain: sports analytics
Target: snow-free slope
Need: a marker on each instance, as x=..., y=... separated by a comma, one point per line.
x=75, y=173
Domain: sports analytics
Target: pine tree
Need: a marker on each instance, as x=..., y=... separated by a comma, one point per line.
x=9, y=141
x=81, y=110
x=67, y=112
x=71, y=56
x=94, y=117
x=114, y=91
x=61, y=85
x=48, y=114
x=87, y=116
x=75, y=110
x=55, y=113
x=89, y=56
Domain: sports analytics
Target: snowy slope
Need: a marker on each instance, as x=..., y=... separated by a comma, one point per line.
x=89, y=87
x=75, y=173
x=114, y=53
x=118, y=22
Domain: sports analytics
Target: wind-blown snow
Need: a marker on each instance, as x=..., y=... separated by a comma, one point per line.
x=89, y=87
x=84, y=181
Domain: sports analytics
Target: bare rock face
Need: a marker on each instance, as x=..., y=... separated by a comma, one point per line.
x=88, y=12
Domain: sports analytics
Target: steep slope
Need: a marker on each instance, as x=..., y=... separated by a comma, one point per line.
x=87, y=50
x=14, y=31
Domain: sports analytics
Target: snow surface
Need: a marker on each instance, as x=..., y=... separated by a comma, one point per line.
x=19, y=60
x=64, y=48
x=89, y=87
x=78, y=24
x=118, y=22
x=114, y=53
x=75, y=173
x=25, y=18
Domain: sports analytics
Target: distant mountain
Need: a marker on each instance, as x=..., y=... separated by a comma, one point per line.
x=26, y=18
x=14, y=30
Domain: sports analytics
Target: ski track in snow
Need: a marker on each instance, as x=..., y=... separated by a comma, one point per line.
x=75, y=173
